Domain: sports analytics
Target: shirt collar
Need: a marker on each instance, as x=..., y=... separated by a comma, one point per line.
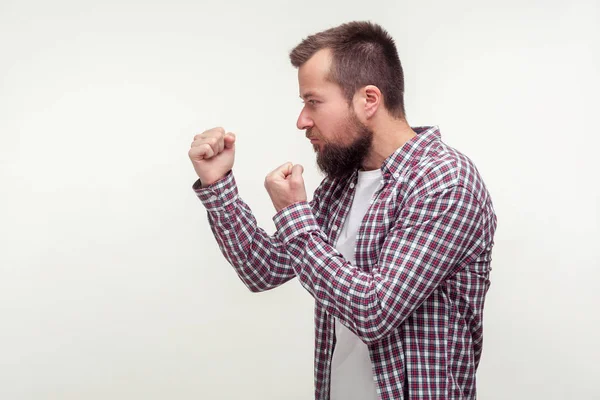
x=410, y=152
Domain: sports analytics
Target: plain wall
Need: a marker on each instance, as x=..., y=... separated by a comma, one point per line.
x=111, y=283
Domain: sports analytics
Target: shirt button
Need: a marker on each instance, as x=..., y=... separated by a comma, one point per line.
x=334, y=228
x=212, y=198
x=352, y=186
x=396, y=175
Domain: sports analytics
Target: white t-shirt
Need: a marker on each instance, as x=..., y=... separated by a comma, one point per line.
x=351, y=371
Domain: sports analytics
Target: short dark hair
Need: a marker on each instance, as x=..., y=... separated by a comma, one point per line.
x=363, y=54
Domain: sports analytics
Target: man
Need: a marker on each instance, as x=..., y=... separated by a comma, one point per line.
x=395, y=245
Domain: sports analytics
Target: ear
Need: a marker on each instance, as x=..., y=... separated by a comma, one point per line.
x=367, y=101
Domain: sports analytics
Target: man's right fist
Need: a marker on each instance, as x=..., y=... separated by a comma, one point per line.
x=212, y=154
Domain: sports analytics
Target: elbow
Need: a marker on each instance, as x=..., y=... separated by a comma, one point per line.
x=253, y=283
x=372, y=337
x=376, y=329
x=257, y=286
x=254, y=287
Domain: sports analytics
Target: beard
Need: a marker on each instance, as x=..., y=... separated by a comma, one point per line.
x=338, y=161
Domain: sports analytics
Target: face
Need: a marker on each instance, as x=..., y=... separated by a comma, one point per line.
x=340, y=140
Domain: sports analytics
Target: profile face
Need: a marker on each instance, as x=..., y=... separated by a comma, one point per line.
x=340, y=140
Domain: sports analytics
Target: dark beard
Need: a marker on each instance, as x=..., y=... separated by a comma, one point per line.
x=338, y=161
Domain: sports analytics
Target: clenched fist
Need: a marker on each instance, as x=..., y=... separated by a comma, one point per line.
x=286, y=185
x=212, y=154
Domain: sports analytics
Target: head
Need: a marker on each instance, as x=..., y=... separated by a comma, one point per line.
x=347, y=75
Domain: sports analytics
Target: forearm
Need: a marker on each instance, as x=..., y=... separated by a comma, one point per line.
x=433, y=235
x=342, y=289
x=258, y=258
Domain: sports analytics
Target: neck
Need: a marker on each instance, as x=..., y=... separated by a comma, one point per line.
x=388, y=136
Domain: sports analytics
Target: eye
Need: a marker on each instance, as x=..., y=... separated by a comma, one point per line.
x=311, y=102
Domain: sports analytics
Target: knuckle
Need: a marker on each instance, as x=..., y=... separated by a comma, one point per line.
x=210, y=133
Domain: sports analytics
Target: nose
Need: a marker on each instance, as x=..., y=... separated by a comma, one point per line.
x=304, y=122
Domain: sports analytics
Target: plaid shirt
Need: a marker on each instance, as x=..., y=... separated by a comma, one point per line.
x=416, y=293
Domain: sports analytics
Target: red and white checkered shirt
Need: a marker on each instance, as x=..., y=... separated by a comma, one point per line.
x=416, y=293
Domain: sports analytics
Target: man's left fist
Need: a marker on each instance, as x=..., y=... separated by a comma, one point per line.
x=285, y=185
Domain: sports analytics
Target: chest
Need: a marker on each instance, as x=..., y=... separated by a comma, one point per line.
x=373, y=217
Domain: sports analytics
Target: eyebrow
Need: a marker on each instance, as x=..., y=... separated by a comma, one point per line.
x=307, y=95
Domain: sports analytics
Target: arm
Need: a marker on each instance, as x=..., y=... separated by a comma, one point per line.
x=260, y=260
x=431, y=236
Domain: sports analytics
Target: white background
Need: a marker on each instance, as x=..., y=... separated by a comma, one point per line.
x=111, y=284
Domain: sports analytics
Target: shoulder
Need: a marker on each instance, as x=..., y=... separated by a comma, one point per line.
x=440, y=168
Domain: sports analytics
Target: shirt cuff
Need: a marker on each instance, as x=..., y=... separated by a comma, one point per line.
x=295, y=220
x=219, y=194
